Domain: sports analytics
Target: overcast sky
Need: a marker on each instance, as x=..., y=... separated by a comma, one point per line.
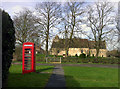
x=14, y=6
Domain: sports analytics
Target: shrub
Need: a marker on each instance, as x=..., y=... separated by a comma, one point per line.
x=91, y=60
x=8, y=44
x=88, y=55
x=82, y=55
x=76, y=55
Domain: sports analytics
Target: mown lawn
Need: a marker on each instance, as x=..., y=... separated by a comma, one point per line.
x=17, y=79
x=88, y=63
x=90, y=77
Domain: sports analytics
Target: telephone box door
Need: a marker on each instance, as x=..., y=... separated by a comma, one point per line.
x=28, y=62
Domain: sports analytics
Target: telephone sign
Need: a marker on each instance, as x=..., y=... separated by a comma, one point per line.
x=28, y=57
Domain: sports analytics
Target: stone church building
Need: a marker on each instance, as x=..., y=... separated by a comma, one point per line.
x=77, y=46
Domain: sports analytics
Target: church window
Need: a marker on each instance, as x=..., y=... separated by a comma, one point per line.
x=57, y=51
x=81, y=51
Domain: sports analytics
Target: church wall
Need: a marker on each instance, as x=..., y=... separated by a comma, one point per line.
x=57, y=51
x=74, y=51
x=61, y=52
x=102, y=52
x=78, y=51
x=92, y=52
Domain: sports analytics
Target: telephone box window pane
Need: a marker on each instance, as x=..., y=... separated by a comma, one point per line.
x=28, y=55
x=27, y=64
x=27, y=58
x=28, y=50
x=27, y=45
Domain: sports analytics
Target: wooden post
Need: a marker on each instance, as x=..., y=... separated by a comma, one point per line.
x=60, y=59
x=46, y=59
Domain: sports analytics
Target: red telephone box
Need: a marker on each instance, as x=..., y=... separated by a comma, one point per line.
x=28, y=57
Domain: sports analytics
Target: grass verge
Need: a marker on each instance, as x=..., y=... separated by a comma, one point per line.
x=90, y=77
x=17, y=79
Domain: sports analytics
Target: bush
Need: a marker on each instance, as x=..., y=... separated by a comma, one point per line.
x=76, y=55
x=8, y=44
x=83, y=59
x=88, y=55
x=82, y=55
x=91, y=60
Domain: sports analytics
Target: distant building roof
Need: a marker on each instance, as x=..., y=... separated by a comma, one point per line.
x=76, y=43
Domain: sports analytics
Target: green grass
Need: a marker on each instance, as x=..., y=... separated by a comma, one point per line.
x=88, y=63
x=17, y=79
x=66, y=63
x=90, y=77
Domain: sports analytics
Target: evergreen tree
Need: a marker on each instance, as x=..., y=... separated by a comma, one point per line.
x=8, y=44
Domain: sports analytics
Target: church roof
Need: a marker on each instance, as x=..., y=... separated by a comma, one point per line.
x=77, y=43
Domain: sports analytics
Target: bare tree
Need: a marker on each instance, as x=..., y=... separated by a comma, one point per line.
x=65, y=33
x=118, y=25
x=25, y=27
x=48, y=16
x=99, y=20
x=118, y=18
x=73, y=12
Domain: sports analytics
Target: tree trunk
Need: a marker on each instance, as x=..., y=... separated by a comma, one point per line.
x=47, y=35
x=97, y=52
x=98, y=47
x=47, y=45
x=66, y=51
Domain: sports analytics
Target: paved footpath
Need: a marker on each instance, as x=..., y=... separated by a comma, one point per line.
x=57, y=79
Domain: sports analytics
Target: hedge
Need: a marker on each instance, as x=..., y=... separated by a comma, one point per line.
x=74, y=59
x=104, y=60
x=8, y=44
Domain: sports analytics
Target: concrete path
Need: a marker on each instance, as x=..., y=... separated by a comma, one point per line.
x=57, y=79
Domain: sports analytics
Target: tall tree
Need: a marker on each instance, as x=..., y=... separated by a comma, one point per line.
x=118, y=25
x=8, y=44
x=65, y=33
x=25, y=27
x=48, y=16
x=99, y=19
x=72, y=19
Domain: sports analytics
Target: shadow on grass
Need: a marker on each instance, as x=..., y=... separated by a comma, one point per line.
x=28, y=80
x=33, y=79
x=44, y=69
x=71, y=83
